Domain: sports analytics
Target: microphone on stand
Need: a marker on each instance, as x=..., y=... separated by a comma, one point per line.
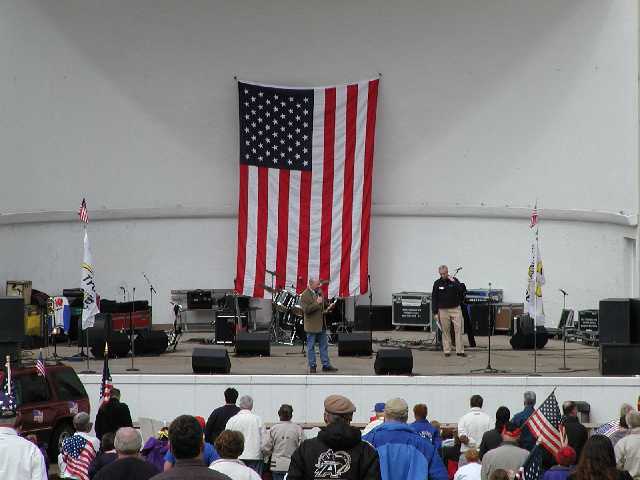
x=564, y=292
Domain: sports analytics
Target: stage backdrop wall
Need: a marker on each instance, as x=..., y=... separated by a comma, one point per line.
x=484, y=107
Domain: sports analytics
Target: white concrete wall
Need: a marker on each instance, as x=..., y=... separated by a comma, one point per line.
x=483, y=104
x=164, y=397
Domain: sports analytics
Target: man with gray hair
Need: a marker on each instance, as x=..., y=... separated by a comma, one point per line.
x=129, y=465
x=404, y=453
x=527, y=440
x=446, y=298
x=19, y=458
x=79, y=450
x=627, y=450
x=252, y=428
x=313, y=305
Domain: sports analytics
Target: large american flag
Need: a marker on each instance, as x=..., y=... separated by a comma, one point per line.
x=545, y=425
x=78, y=453
x=306, y=163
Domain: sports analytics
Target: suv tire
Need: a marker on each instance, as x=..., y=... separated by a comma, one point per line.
x=62, y=431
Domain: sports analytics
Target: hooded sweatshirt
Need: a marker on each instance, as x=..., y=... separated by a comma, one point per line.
x=337, y=453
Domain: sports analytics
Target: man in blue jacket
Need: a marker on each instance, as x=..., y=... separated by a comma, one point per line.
x=423, y=427
x=403, y=453
x=527, y=440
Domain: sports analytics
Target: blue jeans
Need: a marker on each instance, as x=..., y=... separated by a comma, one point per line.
x=321, y=339
x=278, y=475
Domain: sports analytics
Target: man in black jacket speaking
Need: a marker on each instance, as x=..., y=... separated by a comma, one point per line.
x=337, y=453
x=446, y=298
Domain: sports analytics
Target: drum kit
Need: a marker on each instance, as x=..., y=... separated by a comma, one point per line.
x=287, y=319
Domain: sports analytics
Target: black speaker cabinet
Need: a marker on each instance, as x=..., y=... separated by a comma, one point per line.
x=11, y=319
x=394, y=361
x=210, y=360
x=479, y=314
x=354, y=344
x=199, y=299
x=225, y=327
x=527, y=341
x=252, y=344
x=616, y=320
x=118, y=343
x=381, y=315
x=151, y=342
x=619, y=359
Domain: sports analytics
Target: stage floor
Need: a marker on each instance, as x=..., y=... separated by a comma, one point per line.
x=289, y=360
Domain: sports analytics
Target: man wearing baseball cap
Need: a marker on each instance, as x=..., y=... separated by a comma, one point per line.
x=403, y=453
x=338, y=451
x=378, y=409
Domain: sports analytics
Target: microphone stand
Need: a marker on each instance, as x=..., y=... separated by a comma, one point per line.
x=564, y=334
x=133, y=349
x=151, y=292
x=489, y=369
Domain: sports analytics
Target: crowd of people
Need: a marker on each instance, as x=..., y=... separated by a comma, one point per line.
x=235, y=444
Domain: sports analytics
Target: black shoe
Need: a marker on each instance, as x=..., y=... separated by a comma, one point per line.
x=330, y=368
x=461, y=354
x=447, y=354
x=312, y=370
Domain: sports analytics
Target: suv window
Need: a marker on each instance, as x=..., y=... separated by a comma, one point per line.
x=31, y=389
x=69, y=385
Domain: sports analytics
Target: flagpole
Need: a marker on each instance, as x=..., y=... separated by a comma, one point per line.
x=86, y=330
x=535, y=305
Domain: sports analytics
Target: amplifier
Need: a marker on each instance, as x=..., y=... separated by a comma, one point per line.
x=412, y=309
x=381, y=318
x=505, y=312
x=199, y=299
x=483, y=295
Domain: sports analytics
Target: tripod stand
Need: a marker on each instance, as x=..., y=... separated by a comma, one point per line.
x=489, y=370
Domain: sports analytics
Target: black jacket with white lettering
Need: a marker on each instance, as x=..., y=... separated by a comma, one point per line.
x=337, y=453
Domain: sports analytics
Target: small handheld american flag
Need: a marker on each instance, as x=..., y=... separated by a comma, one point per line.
x=545, y=425
x=534, y=216
x=40, y=366
x=532, y=468
x=82, y=213
x=105, y=384
x=7, y=394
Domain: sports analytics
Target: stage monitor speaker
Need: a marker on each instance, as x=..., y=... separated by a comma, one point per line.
x=119, y=345
x=210, y=360
x=12, y=319
x=381, y=315
x=354, y=344
x=523, y=341
x=523, y=324
x=394, y=361
x=252, y=344
x=615, y=320
x=151, y=342
x=619, y=359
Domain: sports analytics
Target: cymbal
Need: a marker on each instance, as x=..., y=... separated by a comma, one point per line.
x=267, y=288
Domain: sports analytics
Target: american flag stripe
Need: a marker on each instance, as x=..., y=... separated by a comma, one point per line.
x=311, y=222
x=328, y=144
x=372, y=101
x=549, y=435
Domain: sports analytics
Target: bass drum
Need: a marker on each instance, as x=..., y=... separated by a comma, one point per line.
x=283, y=300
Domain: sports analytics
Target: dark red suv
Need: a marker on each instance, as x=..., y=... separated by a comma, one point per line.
x=46, y=405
